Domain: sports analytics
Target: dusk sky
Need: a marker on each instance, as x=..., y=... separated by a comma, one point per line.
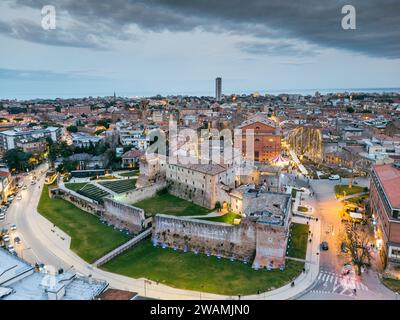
x=148, y=47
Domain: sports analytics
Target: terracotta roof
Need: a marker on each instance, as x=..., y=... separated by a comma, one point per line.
x=132, y=154
x=4, y=174
x=114, y=294
x=389, y=177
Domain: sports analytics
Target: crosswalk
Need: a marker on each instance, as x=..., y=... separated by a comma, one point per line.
x=330, y=282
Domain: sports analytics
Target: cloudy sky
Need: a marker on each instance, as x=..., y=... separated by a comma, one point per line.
x=146, y=47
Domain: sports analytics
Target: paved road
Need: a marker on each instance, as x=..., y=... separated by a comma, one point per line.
x=331, y=284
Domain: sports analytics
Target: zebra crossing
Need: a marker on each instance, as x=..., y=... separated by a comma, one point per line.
x=330, y=282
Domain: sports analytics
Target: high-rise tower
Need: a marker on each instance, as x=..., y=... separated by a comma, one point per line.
x=218, y=88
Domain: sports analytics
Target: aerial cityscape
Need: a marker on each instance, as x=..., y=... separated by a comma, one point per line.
x=162, y=163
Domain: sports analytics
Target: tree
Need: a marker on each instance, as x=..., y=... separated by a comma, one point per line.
x=17, y=159
x=350, y=109
x=218, y=206
x=58, y=109
x=72, y=129
x=358, y=247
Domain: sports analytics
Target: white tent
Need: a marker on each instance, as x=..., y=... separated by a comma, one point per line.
x=356, y=215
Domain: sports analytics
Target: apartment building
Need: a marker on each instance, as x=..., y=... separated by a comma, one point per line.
x=385, y=207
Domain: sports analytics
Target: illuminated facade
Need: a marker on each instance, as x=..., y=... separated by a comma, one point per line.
x=267, y=139
x=385, y=207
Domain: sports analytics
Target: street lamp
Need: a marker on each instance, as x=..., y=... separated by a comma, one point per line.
x=22, y=252
x=145, y=287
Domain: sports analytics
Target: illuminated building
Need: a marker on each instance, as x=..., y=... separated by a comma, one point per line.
x=385, y=207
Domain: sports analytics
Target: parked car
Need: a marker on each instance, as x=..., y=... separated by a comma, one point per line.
x=10, y=198
x=334, y=177
x=324, y=246
x=13, y=227
x=19, y=197
x=11, y=248
x=6, y=238
x=2, y=216
x=17, y=240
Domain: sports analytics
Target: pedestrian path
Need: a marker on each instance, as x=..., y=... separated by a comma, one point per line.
x=330, y=282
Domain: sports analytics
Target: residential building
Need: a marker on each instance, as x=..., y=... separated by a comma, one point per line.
x=10, y=138
x=131, y=158
x=84, y=140
x=385, y=207
x=20, y=281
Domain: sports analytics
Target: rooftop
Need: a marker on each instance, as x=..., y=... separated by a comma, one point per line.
x=389, y=176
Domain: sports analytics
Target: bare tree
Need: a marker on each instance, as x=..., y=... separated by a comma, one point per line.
x=357, y=244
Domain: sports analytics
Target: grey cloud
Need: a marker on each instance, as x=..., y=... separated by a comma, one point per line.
x=277, y=49
x=41, y=75
x=314, y=21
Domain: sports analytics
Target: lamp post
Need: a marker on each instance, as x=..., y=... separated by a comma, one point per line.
x=146, y=282
x=22, y=252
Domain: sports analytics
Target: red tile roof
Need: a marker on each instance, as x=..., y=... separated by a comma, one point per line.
x=4, y=173
x=389, y=177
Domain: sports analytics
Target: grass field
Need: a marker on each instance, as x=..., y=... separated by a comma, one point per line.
x=119, y=186
x=134, y=173
x=297, y=245
x=226, y=218
x=166, y=203
x=93, y=192
x=199, y=272
x=302, y=209
x=357, y=200
x=75, y=186
x=392, y=284
x=90, y=238
x=343, y=189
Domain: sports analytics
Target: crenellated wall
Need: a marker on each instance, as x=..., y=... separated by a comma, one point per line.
x=205, y=236
x=244, y=242
x=140, y=194
x=124, y=216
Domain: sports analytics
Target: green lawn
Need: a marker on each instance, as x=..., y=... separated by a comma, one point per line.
x=199, y=272
x=340, y=188
x=93, y=192
x=90, y=238
x=297, y=245
x=166, y=203
x=302, y=209
x=75, y=186
x=226, y=218
x=134, y=173
x=392, y=284
x=357, y=200
x=119, y=186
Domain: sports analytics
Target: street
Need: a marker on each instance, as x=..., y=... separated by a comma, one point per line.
x=331, y=284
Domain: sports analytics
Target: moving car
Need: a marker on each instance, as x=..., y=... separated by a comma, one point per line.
x=11, y=248
x=13, y=227
x=6, y=238
x=17, y=240
x=324, y=246
x=334, y=177
x=19, y=197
